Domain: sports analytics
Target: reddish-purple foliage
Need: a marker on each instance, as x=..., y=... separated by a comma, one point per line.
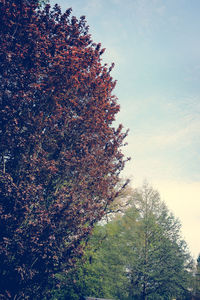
x=60, y=156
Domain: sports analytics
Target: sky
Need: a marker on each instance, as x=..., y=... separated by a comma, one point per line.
x=155, y=46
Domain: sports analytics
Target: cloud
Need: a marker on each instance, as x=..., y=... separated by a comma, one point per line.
x=177, y=137
x=152, y=140
x=166, y=149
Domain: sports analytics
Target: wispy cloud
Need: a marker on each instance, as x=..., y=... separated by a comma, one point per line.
x=177, y=137
x=164, y=150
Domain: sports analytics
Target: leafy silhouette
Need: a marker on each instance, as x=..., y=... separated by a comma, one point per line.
x=60, y=155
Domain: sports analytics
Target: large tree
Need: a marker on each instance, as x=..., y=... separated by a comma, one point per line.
x=60, y=155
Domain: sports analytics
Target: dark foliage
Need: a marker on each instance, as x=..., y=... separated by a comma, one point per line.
x=60, y=156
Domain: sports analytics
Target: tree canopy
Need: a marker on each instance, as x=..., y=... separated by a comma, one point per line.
x=60, y=155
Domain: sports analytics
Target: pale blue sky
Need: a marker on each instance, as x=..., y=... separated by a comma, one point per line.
x=155, y=45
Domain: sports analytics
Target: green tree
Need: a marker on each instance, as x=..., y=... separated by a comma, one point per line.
x=137, y=255
x=160, y=259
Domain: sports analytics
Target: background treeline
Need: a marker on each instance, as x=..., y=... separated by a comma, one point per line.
x=138, y=253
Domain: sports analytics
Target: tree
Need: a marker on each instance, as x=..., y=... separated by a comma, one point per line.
x=161, y=264
x=60, y=156
x=138, y=255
